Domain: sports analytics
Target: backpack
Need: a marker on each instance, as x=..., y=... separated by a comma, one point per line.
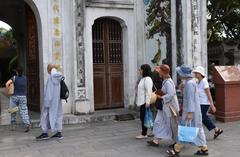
x=64, y=92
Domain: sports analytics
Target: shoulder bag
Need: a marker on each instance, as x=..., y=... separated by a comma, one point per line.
x=10, y=87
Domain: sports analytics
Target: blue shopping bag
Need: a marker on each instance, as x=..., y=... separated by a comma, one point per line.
x=148, y=119
x=187, y=133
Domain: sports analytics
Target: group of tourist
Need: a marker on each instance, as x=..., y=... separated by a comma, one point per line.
x=51, y=112
x=197, y=101
x=170, y=114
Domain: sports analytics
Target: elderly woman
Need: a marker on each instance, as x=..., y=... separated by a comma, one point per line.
x=165, y=124
x=206, y=100
x=191, y=112
x=144, y=92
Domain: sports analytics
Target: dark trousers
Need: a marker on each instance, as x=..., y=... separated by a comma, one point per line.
x=205, y=119
x=142, y=115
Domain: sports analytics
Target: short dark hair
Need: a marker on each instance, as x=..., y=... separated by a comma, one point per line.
x=146, y=70
x=19, y=70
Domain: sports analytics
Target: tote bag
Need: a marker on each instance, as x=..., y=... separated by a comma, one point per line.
x=10, y=88
x=187, y=133
x=153, y=97
x=148, y=119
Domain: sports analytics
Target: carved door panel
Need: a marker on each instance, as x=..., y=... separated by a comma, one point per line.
x=108, y=66
x=32, y=61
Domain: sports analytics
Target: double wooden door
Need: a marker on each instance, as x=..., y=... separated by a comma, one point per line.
x=107, y=64
x=32, y=60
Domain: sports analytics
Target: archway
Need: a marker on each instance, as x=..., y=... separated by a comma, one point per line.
x=19, y=15
x=107, y=63
x=8, y=52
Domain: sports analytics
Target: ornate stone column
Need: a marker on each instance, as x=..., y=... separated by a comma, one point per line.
x=192, y=33
x=82, y=103
x=80, y=80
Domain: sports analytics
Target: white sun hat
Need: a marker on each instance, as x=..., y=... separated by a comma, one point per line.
x=200, y=70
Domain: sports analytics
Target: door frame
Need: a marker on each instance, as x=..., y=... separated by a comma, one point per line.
x=38, y=19
x=130, y=54
x=125, y=53
x=107, y=66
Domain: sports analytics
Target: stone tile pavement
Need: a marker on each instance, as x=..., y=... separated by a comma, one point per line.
x=107, y=139
x=5, y=117
x=98, y=116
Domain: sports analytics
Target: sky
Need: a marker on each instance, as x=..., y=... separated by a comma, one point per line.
x=4, y=25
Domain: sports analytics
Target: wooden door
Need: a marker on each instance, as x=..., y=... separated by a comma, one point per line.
x=107, y=64
x=32, y=61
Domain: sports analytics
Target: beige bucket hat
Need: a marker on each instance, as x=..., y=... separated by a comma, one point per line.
x=200, y=70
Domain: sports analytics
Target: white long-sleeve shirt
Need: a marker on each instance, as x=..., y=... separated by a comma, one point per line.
x=144, y=91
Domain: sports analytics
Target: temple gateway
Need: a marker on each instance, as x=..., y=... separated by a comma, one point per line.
x=99, y=45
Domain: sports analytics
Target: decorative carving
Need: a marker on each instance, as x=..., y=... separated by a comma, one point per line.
x=56, y=32
x=81, y=94
x=195, y=7
x=79, y=18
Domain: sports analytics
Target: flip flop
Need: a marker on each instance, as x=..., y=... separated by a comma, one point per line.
x=152, y=143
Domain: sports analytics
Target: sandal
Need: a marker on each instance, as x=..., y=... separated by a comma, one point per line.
x=172, y=145
x=152, y=143
x=201, y=153
x=217, y=133
x=172, y=152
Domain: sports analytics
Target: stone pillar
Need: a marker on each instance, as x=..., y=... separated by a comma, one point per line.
x=174, y=39
x=80, y=80
x=140, y=33
x=192, y=33
x=194, y=45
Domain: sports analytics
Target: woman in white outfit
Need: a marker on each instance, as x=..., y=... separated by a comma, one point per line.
x=206, y=100
x=144, y=92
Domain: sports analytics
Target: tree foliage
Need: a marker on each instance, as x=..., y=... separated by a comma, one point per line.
x=158, y=18
x=8, y=35
x=223, y=20
x=158, y=21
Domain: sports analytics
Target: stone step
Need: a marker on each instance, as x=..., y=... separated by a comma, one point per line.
x=98, y=116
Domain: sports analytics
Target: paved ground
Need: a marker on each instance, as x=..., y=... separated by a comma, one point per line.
x=106, y=139
x=5, y=116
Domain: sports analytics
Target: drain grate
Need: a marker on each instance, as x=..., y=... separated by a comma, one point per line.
x=124, y=117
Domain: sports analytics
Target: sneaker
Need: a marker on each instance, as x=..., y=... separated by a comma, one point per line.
x=141, y=137
x=27, y=129
x=13, y=127
x=43, y=136
x=58, y=135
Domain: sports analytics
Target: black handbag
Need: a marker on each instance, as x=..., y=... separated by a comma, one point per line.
x=159, y=104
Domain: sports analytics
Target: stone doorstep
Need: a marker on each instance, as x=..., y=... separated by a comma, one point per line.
x=98, y=116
